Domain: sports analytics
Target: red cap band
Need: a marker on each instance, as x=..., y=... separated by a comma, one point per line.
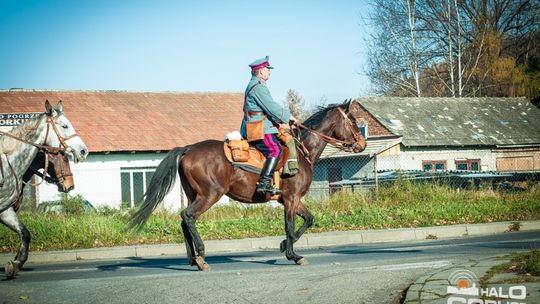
x=262, y=65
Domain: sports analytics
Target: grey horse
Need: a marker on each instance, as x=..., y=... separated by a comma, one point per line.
x=51, y=131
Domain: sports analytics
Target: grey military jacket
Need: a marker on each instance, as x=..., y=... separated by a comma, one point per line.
x=260, y=100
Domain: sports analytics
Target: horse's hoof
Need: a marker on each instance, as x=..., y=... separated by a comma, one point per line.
x=10, y=269
x=201, y=264
x=302, y=262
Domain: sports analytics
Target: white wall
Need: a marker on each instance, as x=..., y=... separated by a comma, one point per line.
x=412, y=160
x=98, y=179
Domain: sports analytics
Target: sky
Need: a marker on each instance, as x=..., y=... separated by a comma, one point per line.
x=316, y=47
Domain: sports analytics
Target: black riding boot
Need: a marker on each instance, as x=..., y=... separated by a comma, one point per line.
x=265, y=182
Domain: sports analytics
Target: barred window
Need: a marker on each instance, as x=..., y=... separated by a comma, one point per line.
x=468, y=165
x=134, y=183
x=434, y=165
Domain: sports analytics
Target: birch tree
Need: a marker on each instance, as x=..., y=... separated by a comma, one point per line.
x=455, y=48
x=394, y=57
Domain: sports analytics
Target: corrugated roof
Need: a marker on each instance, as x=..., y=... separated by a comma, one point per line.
x=110, y=121
x=457, y=121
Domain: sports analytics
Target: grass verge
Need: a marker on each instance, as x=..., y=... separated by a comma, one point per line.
x=404, y=204
x=526, y=266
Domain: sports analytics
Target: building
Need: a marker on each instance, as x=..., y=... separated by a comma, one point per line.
x=128, y=134
x=474, y=134
x=438, y=134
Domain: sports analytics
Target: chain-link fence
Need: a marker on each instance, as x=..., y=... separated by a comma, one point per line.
x=116, y=186
x=460, y=168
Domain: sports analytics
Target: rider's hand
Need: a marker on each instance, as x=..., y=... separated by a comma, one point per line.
x=293, y=120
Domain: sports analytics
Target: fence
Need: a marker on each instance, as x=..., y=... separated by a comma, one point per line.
x=460, y=168
x=113, y=185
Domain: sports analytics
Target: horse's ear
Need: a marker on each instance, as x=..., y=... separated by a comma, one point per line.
x=59, y=107
x=353, y=107
x=48, y=108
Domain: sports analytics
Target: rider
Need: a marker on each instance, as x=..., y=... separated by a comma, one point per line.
x=258, y=106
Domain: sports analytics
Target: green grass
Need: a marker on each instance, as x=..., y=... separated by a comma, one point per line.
x=531, y=263
x=525, y=265
x=404, y=204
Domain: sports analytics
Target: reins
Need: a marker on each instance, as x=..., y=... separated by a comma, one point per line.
x=343, y=145
x=44, y=148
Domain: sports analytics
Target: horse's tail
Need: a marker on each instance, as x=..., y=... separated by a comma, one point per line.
x=160, y=184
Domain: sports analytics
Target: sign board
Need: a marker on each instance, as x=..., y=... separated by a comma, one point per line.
x=10, y=120
x=15, y=119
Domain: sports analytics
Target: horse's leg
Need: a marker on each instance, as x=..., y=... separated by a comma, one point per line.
x=189, y=217
x=301, y=211
x=10, y=219
x=290, y=214
x=188, y=240
x=308, y=220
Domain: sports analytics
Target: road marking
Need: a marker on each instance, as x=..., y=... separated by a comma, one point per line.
x=433, y=264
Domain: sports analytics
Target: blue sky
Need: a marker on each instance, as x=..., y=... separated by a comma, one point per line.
x=317, y=47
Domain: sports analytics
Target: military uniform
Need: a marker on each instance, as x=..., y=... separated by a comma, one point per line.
x=259, y=105
x=259, y=100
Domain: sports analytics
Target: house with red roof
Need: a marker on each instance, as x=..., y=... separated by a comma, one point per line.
x=127, y=134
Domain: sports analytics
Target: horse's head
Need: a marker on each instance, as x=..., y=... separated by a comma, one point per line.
x=63, y=135
x=347, y=129
x=58, y=169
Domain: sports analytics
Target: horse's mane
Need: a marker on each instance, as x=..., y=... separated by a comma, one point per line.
x=314, y=120
x=8, y=144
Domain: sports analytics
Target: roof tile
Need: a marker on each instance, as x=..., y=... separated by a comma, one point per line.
x=137, y=121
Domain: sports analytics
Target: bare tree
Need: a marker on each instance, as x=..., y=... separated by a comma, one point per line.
x=394, y=58
x=459, y=55
x=297, y=105
x=455, y=48
x=411, y=10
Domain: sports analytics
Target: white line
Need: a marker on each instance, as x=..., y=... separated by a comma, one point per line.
x=434, y=264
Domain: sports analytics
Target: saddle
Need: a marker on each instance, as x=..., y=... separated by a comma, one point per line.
x=243, y=156
x=238, y=152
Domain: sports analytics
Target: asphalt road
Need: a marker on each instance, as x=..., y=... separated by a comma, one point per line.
x=345, y=274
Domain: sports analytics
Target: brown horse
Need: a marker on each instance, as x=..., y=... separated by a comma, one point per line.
x=56, y=170
x=206, y=175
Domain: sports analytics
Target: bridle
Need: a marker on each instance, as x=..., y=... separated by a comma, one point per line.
x=54, y=152
x=59, y=167
x=51, y=121
x=343, y=145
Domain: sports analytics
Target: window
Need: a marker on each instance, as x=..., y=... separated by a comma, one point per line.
x=468, y=165
x=434, y=165
x=364, y=129
x=134, y=182
x=334, y=175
